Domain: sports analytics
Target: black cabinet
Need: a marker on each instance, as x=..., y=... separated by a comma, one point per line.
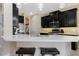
x=68, y=18
x=58, y=18
x=55, y=14
x=63, y=18
x=15, y=10
x=21, y=19
x=55, y=23
x=45, y=21
x=71, y=18
x=15, y=18
x=74, y=45
x=51, y=20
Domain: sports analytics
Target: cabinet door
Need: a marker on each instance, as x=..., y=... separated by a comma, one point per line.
x=55, y=21
x=74, y=45
x=68, y=18
x=63, y=18
x=43, y=22
x=71, y=18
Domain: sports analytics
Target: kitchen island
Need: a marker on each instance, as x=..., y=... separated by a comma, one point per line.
x=61, y=42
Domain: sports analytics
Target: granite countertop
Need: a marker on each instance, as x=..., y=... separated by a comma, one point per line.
x=41, y=38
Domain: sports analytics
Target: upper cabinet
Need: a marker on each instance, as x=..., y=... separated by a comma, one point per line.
x=45, y=21
x=55, y=19
x=69, y=18
x=52, y=20
x=58, y=19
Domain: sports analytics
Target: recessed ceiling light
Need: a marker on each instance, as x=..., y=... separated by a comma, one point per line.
x=31, y=13
x=62, y=5
x=40, y=5
x=18, y=5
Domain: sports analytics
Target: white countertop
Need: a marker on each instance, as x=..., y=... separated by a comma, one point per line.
x=49, y=38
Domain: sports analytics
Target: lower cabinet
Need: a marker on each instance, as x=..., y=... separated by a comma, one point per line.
x=74, y=45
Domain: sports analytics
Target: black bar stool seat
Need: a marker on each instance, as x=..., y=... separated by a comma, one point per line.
x=22, y=51
x=51, y=51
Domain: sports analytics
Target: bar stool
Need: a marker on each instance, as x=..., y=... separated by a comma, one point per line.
x=28, y=51
x=50, y=51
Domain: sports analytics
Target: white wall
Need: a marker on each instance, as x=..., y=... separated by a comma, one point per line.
x=7, y=19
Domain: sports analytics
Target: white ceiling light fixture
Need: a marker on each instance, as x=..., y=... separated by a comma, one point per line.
x=31, y=13
x=40, y=5
x=62, y=5
x=18, y=5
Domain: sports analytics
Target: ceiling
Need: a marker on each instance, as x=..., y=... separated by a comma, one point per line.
x=32, y=8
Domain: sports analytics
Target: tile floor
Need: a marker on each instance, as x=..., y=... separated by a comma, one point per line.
x=75, y=53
